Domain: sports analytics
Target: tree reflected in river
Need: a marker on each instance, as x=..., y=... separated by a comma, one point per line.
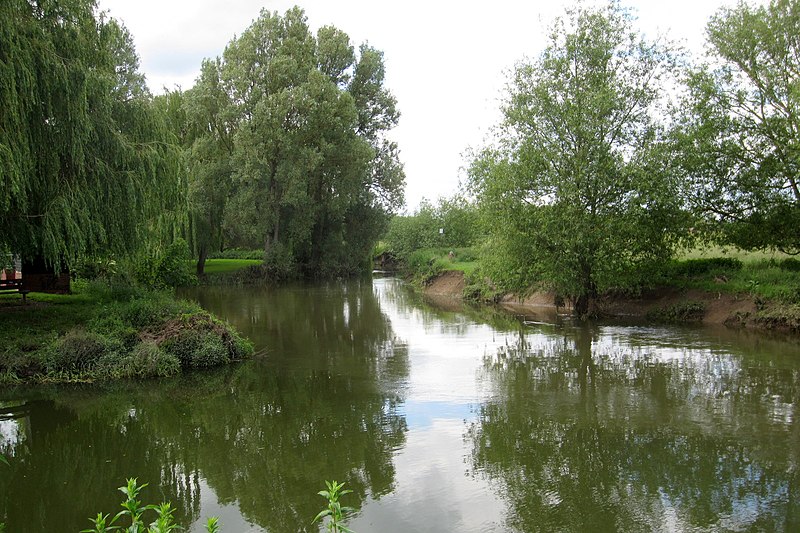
x=585, y=433
x=320, y=402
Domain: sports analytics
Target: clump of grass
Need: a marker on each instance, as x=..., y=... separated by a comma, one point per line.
x=78, y=351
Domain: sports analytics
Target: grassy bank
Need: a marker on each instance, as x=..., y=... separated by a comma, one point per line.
x=770, y=280
x=776, y=279
x=425, y=264
x=102, y=332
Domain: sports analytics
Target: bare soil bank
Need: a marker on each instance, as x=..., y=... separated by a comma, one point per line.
x=733, y=310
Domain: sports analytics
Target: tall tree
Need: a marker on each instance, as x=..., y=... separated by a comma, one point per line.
x=573, y=193
x=86, y=160
x=210, y=126
x=739, y=126
x=302, y=134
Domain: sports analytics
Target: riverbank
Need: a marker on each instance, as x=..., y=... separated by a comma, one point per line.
x=666, y=304
x=101, y=333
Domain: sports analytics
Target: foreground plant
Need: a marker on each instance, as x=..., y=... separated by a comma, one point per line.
x=133, y=511
x=334, y=510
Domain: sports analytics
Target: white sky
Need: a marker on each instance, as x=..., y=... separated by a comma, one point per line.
x=446, y=61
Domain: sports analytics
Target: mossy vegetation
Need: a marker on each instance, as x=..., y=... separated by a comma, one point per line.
x=110, y=332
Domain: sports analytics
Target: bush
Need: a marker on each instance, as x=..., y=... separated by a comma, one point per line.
x=148, y=359
x=789, y=264
x=279, y=264
x=711, y=265
x=147, y=312
x=96, y=268
x=197, y=349
x=200, y=341
x=77, y=351
x=479, y=288
x=171, y=268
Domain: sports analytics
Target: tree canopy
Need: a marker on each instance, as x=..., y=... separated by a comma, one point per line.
x=291, y=152
x=739, y=127
x=573, y=192
x=85, y=160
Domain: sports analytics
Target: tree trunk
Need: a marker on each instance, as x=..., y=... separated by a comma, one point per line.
x=584, y=303
x=581, y=309
x=201, y=260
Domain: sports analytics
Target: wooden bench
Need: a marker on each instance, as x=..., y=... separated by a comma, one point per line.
x=14, y=285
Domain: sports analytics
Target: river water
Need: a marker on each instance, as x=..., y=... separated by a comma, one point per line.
x=440, y=417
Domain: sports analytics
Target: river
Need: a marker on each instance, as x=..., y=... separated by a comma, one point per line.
x=440, y=417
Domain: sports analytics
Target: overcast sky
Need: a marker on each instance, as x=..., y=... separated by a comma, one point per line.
x=446, y=61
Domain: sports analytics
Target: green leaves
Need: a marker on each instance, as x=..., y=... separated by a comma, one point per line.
x=335, y=510
x=573, y=195
x=87, y=161
x=738, y=130
x=290, y=154
x=133, y=511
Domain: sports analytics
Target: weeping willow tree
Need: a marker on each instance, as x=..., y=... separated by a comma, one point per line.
x=87, y=163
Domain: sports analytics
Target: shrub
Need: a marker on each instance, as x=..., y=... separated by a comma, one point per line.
x=279, y=264
x=170, y=268
x=148, y=359
x=151, y=311
x=479, y=288
x=77, y=351
x=96, y=268
x=197, y=349
x=111, y=325
x=174, y=266
x=790, y=264
x=711, y=265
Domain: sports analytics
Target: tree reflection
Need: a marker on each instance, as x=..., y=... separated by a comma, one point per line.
x=322, y=403
x=589, y=435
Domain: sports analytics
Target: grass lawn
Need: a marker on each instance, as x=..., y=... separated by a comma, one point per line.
x=764, y=274
x=741, y=255
x=219, y=266
x=467, y=267
x=39, y=322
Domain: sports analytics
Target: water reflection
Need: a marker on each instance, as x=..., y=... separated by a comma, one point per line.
x=598, y=430
x=441, y=416
x=320, y=403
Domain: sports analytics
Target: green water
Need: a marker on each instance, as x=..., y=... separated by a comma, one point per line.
x=440, y=418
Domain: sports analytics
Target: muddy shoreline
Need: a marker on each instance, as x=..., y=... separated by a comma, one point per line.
x=712, y=308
